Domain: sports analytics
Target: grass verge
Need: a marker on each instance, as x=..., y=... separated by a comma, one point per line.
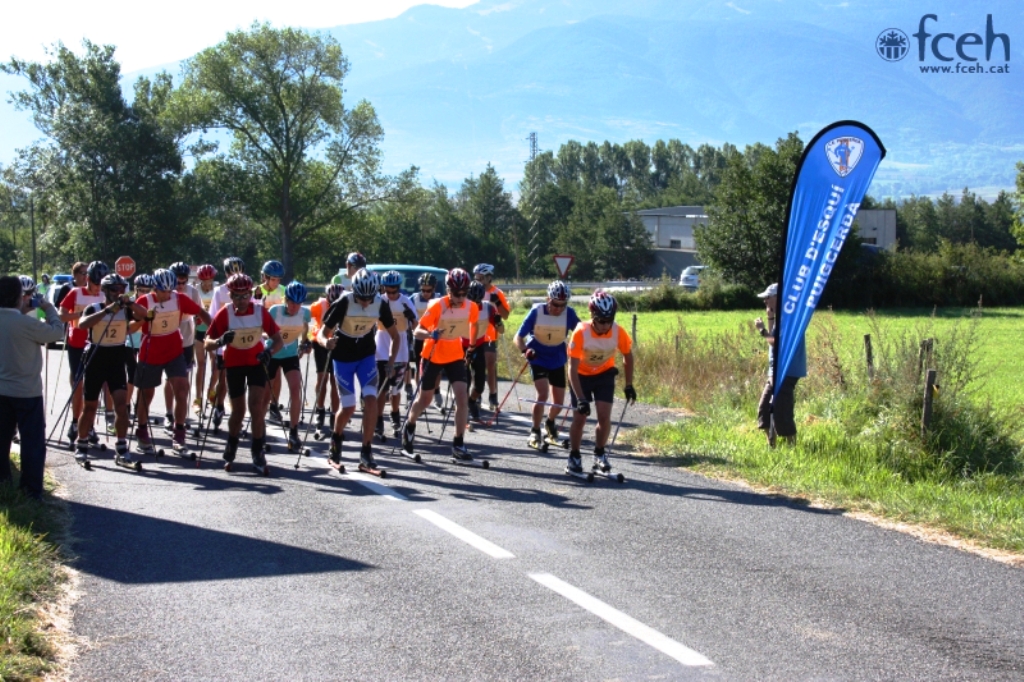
x=30, y=580
x=860, y=445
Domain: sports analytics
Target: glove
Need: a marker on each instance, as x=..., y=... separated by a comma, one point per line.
x=151, y=315
x=227, y=338
x=630, y=393
x=529, y=354
x=305, y=346
x=436, y=334
x=264, y=356
x=583, y=407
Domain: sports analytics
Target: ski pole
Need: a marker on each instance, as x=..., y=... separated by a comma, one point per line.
x=447, y=413
x=302, y=396
x=319, y=397
x=510, y=368
x=415, y=395
x=60, y=365
x=619, y=425
x=494, y=417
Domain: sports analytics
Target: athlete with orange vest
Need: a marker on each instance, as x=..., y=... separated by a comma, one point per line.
x=442, y=327
x=322, y=357
x=238, y=328
x=541, y=339
x=592, y=373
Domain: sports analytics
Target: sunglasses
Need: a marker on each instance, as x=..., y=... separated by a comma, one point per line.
x=365, y=299
x=458, y=294
x=183, y=281
x=427, y=292
x=391, y=290
x=557, y=304
x=602, y=320
x=241, y=296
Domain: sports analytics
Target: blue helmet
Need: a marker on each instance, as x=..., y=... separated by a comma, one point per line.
x=144, y=280
x=273, y=268
x=392, y=278
x=97, y=271
x=180, y=269
x=295, y=292
x=164, y=280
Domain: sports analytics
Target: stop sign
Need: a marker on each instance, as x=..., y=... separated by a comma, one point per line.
x=125, y=266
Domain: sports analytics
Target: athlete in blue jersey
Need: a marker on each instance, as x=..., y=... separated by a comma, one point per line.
x=541, y=339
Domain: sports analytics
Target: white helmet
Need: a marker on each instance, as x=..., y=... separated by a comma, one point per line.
x=559, y=291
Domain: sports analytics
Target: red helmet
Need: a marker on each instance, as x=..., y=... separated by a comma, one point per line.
x=457, y=280
x=239, y=282
x=206, y=272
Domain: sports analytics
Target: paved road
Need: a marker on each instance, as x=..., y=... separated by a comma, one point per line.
x=517, y=572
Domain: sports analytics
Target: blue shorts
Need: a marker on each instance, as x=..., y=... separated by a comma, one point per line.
x=347, y=373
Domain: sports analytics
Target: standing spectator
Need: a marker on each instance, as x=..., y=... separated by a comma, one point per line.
x=21, y=384
x=775, y=416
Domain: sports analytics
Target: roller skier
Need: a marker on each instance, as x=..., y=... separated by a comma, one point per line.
x=389, y=388
x=484, y=273
x=322, y=360
x=292, y=319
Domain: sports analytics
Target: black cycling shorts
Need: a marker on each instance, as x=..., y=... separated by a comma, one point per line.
x=453, y=371
x=598, y=388
x=106, y=366
x=321, y=358
x=285, y=364
x=555, y=377
x=239, y=377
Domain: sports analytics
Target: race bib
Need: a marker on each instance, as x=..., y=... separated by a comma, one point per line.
x=401, y=324
x=358, y=326
x=115, y=334
x=452, y=330
x=596, y=357
x=550, y=336
x=246, y=338
x=166, y=322
x=290, y=334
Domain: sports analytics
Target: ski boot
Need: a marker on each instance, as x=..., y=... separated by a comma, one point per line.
x=94, y=440
x=321, y=417
x=574, y=465
x=108, y=418
x=82, y=454
x=178, y=444
x=72, y=434
x=230, y=450
x=438, y=401
x=600, y=461
x=551, y=435
x=367, y=464
x=408, y=393
x=295, y=443
x=408, y=434
x=396, y=424
x=334, y=454
x=492, y=402
x=218, y=416
x=123, y=458
x=259, y=460
x=474, y=409
x=462, y=456
x=169, y=424
x=274, y=414
x=145, y=442
x=536, y=442
x=378, y=430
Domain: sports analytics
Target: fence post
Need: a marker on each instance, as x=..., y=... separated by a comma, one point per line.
x=870, y=357
x=634, y=328
x=926, y=412
x=677, y=344
x=920, y=358
x=929, y=347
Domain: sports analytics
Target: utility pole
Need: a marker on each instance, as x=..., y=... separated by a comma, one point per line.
x=32, y=223
x=533, y=145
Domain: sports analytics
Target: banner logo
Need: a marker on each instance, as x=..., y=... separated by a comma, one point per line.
x=892, y=44
x=844, y=154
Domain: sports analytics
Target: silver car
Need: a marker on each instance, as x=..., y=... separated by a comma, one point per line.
x=691, y=277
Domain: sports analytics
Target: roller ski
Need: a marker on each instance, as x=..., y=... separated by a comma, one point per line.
x=123, y=458
x=408, y=436
x=82, y=455
x=94, y=441
x=367, y=465
x=536, y=442
x=259, y=460
x=551, y=435
x=462, y=457
x=295, y=443
x=574, y=468
x=179, y=446
x=378, y=430
x=334, y=456
x=274, y=414
x=601, y=467
x=144, y=443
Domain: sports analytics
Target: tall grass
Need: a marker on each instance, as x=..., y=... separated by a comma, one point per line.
x=29, y=577
x=860, y=441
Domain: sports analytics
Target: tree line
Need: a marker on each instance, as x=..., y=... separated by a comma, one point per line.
x=255, y=152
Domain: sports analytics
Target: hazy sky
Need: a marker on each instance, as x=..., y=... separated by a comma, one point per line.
x=149, y=35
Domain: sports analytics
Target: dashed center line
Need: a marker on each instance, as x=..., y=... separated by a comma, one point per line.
x=469, y=537
x=627, y=624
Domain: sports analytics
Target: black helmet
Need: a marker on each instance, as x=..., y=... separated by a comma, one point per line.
x=97, y=271
x=180, y=269
x=233, y=264
x=428, y=279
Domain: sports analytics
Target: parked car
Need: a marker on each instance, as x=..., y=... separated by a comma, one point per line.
x=691, y=277
x=410, y=274
x=55, y=284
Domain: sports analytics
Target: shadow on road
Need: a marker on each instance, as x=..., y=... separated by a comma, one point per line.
x=135, y=549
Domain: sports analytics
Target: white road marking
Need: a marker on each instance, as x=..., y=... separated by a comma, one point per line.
x=516, y=418
x=371, y=483
x=627, y=624
x=470, y=538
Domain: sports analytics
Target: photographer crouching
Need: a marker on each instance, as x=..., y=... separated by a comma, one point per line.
x=22, y=336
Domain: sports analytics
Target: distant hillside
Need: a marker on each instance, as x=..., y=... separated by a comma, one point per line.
x=456, y=89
